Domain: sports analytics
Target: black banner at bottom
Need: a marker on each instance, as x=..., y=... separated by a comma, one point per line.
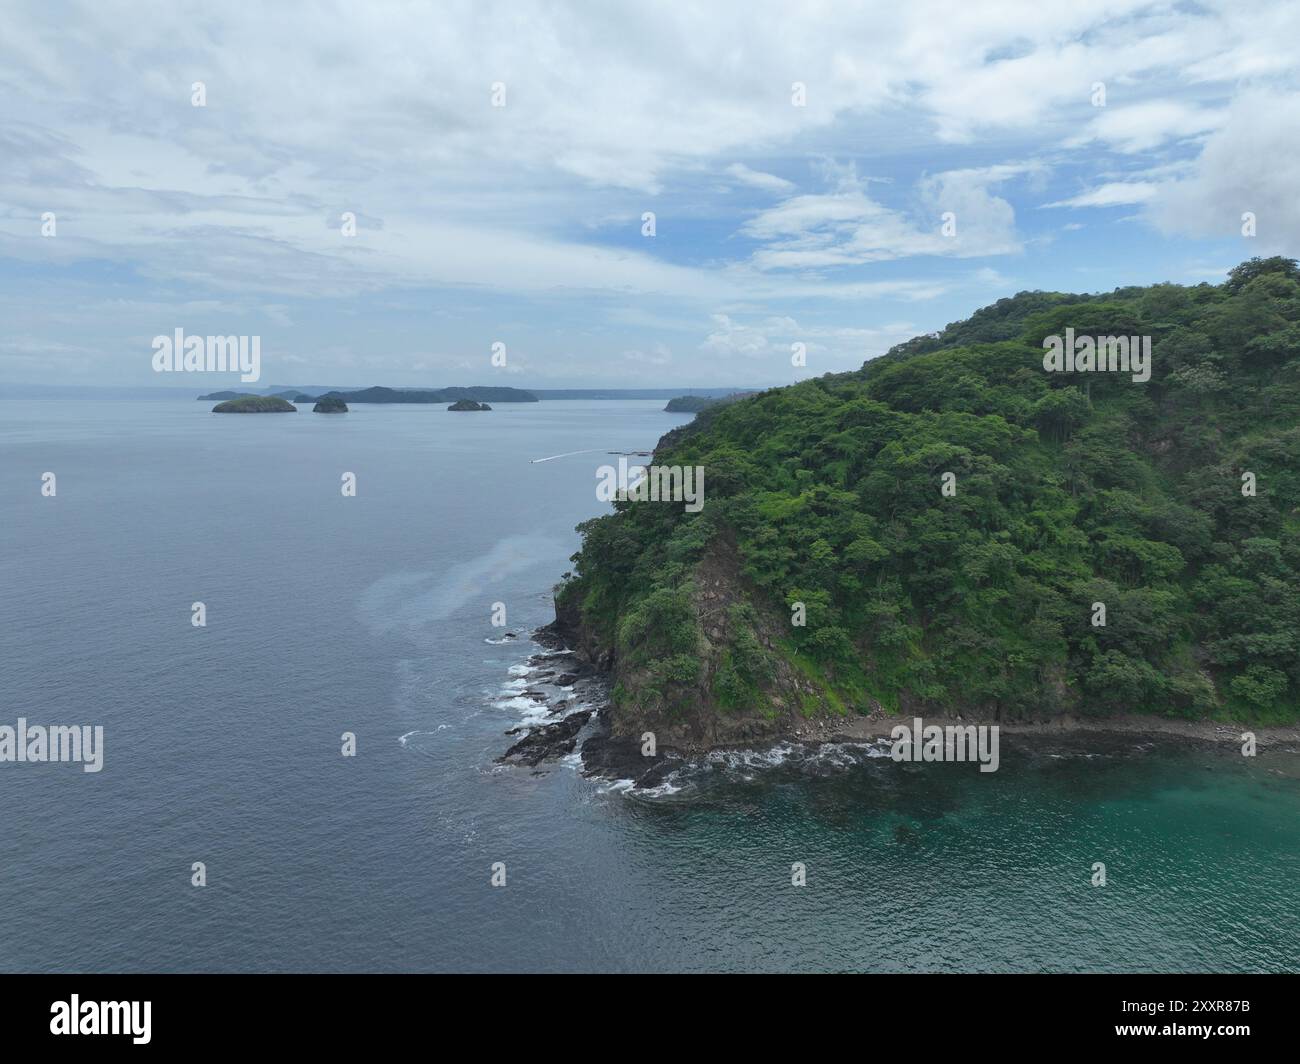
x=339, y=1013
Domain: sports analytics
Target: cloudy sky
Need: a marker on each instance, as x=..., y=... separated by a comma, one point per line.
x=1072, y=145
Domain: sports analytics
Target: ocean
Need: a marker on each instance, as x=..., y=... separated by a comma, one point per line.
x=371, y=615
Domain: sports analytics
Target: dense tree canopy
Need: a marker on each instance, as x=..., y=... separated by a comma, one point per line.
x=1174, y=503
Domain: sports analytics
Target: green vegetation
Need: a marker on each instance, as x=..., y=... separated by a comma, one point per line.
x=330, y=404
x=1071, y=489
x=255, y=404
x=693, y=404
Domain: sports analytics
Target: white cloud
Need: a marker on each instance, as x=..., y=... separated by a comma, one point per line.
x=658, y=355
x=848, y=227
x=1143, y=126
x=1251, y=164
x=1111, y=194
x=758, y=179
x=733, y=338
x=477, y=214
x=768, y=341
x=385, y=110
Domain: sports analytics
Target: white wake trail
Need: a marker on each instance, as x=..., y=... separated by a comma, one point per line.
x=567, y=454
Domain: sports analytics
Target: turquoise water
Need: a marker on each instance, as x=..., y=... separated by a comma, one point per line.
x=372, y=615
x=936, y=867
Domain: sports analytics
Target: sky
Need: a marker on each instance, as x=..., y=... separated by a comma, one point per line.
x=841, y=176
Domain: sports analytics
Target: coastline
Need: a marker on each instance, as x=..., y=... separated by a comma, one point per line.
x=609, y=756
x=878, y=726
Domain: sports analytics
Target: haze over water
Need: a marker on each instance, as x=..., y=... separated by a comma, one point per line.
x=371, y=614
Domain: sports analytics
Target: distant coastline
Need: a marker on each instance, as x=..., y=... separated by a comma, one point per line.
x=20, y=390
x=694, y=404
x=379, y=394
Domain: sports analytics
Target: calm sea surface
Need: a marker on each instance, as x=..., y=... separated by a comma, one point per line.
x=372, y=614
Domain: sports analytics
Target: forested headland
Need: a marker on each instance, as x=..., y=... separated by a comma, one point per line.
x=936, y=531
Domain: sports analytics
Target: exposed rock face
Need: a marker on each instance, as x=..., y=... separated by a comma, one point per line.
x=692, y=722
x=689, y=718
x=330, y=404
x=256, y=404
x=548, y=741
x=468, y=404
x=609, y=757
x=569, y=630
x=571, y=692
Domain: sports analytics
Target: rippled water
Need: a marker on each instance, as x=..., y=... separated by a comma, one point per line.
x=371, y=615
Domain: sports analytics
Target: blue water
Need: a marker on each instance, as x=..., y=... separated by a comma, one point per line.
x=328, y=614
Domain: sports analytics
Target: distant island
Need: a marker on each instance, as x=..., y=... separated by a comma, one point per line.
x=633, y=393
x=379, y=394
x=330, y=404
x=693, y=404
x=468, y=404
x=287, y=394
x=310, y=393
x=256, y=404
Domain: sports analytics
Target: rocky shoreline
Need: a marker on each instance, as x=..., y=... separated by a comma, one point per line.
x=587, y=728
x=604, y=756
